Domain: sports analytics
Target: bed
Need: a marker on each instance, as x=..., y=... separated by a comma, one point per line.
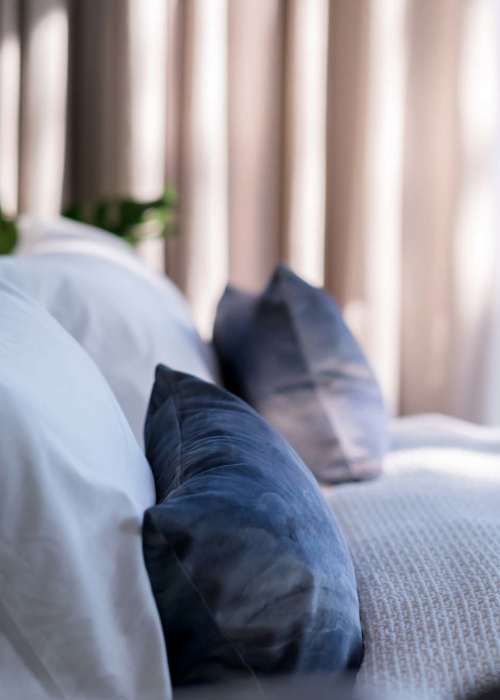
x=424, y=537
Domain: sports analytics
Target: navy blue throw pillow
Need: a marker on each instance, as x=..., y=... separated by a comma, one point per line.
x=250, y=571
x=289, y=353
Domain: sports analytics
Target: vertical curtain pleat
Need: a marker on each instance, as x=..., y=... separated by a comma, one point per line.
x=204, y=185
x=83, y=177
x=147, y=105
x=356, y=140
x=304, y=173
x=147, y=39
x=431, y=180
x=113, y=95
x=174, y=247
x=101, y=91
x=475, y=384
x=43, y=100
x=256, y=71
x=346, y=133
x=119, y=103
x=382, y=191
x=365, y=128
x=10, y=78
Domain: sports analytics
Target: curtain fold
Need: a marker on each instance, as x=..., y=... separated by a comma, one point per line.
x=204, y=161
x=356, y=141
x=431, y=181
x=305, y=142
x=10, y=84
x=255, y=144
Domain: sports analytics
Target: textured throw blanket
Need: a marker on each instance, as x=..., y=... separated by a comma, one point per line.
x=425, y=539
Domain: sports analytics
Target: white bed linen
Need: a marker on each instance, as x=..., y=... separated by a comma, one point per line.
x=126, y=317
x=77, y=615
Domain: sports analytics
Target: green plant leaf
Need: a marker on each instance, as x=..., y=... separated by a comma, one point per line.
x=8, y=236
x=130, y=219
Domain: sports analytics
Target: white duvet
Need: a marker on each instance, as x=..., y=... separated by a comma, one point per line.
x=77, y=615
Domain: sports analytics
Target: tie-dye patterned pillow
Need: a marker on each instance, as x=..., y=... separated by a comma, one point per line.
x=290, y=354
x=250, y=571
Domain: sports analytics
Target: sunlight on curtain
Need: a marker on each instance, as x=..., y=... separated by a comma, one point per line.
x=43, y=116
x=383, y=187
x=491, y=374
x=204, y=156
x=357, y=141
x=10, y=78
x=477, y=386
x=147, y=56
x=304, y=171
x=432, y=171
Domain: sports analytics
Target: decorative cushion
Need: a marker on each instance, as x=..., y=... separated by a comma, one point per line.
x=289, y=353
x=127, y=318
x=250, y=571
x=77, y=616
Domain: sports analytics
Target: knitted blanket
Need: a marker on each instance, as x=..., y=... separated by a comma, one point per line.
x=425, y=540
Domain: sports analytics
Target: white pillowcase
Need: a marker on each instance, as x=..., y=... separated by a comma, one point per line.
x=77, y=616
x=126, y=317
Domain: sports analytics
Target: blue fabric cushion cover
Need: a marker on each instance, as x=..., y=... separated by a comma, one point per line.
x=289, y=353
x=250, y=571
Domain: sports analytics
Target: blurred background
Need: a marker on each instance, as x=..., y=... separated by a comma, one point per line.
x=357, y=140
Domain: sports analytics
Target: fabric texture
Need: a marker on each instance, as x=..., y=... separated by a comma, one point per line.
x=250, y=571
x=77, y=616
x=126, y=317
x=292, y=130
x=289, y=353
x=425, y=540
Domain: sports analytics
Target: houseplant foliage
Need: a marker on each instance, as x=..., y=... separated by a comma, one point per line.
x=8, y=233
x=127, y=218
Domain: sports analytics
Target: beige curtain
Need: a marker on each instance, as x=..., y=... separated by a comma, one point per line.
x=356, y=140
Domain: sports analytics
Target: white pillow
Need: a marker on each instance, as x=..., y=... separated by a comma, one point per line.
x=57, y=234
x=126, y=317
x=77, y=616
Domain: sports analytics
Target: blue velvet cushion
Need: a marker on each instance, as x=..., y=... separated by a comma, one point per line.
x=289, y=353
x=250, y=571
